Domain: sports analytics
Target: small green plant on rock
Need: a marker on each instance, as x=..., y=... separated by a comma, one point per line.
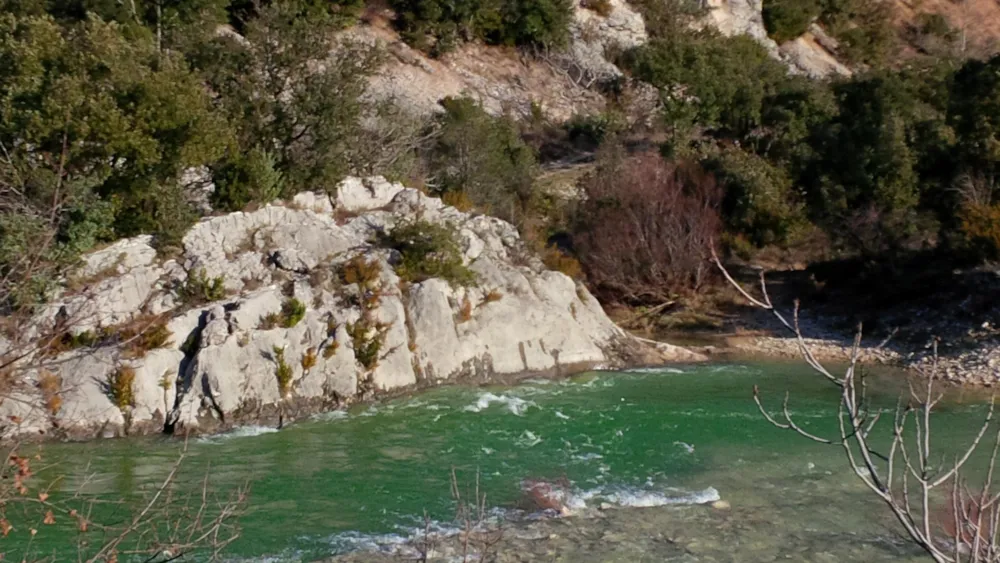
x=368, y=337
x=308, y=360
x=121, y=387
x=199, y=289
x=428, y=250
x=140, y=340
x=282, y=372
x=292, y=313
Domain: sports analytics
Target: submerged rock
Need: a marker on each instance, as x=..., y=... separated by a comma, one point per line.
x=276, y=329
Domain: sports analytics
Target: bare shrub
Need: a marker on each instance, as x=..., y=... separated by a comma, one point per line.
x=645, y=229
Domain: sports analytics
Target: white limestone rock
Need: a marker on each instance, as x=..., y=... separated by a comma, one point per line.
x=220, y=366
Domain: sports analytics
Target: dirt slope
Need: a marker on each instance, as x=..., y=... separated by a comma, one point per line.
x=978, y=19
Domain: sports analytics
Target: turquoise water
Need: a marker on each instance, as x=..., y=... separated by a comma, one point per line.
x=363, y=479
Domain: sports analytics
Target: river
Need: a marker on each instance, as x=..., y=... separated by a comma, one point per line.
x=639, y=453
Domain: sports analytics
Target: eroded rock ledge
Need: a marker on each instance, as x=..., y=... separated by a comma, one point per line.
x=220, y=365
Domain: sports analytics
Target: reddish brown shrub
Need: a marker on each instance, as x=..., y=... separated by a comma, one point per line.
x=645, y=229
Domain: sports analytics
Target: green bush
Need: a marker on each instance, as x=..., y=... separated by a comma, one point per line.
x=484, y=157
x=120, y=387
x=759, y=202
x=788, y=19
x=367, y=337
x=863, y=27
x=592, y=130
x=246, y=178
x=292, y=313
x=282, y=372
x=708, y=80
x=428, y=250
x=199, y=289
x=438, y=26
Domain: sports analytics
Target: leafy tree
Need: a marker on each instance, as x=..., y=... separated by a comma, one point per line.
x=974, y=113
x=287, y=95
x=246, y=178
x=759, y=201
x=724, y=80
x=97, y=125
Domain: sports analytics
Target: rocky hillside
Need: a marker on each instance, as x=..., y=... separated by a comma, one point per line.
x=308, y=305
x=502, y=80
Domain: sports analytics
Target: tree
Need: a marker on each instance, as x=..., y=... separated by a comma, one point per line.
x=103, y=125
x=974, y=114
x=724, y=79
x=759, y=202
x=483, y=157
x=908, y=476
x=293, y=92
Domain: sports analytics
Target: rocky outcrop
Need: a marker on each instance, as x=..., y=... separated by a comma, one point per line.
x=804, y=55
x=228, y=303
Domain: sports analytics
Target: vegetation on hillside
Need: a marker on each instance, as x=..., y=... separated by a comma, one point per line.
x=114, y=119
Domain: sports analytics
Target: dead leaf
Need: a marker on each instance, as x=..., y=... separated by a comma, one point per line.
x=49, y=518
x=5, y=527
x=43, y=496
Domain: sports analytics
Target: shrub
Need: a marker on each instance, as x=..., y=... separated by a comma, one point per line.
x=366, y=273
x=247, y=178
x=759, y=201
x=198, y=289
x=493, y=296
x=707, y=79
x=292, y=313
x=590, y=131
x=438, y=26
x=645, y=228
x=459, y=200
x=367, y=336
x=482, y=157
x=788, y=19
x=141, y=339
x=70, y=341
x=863, y=27
x=555, y=259
x=50, y=385
x=308, y=360
x=121, y=387
x=282, y=372
x=465, y=311
x=981, y=228
x=428, y=250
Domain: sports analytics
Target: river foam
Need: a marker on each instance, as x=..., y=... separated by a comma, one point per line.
x=515, y=405
x=239, y=432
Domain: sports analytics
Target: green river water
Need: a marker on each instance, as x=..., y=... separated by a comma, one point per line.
x=651, y=446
